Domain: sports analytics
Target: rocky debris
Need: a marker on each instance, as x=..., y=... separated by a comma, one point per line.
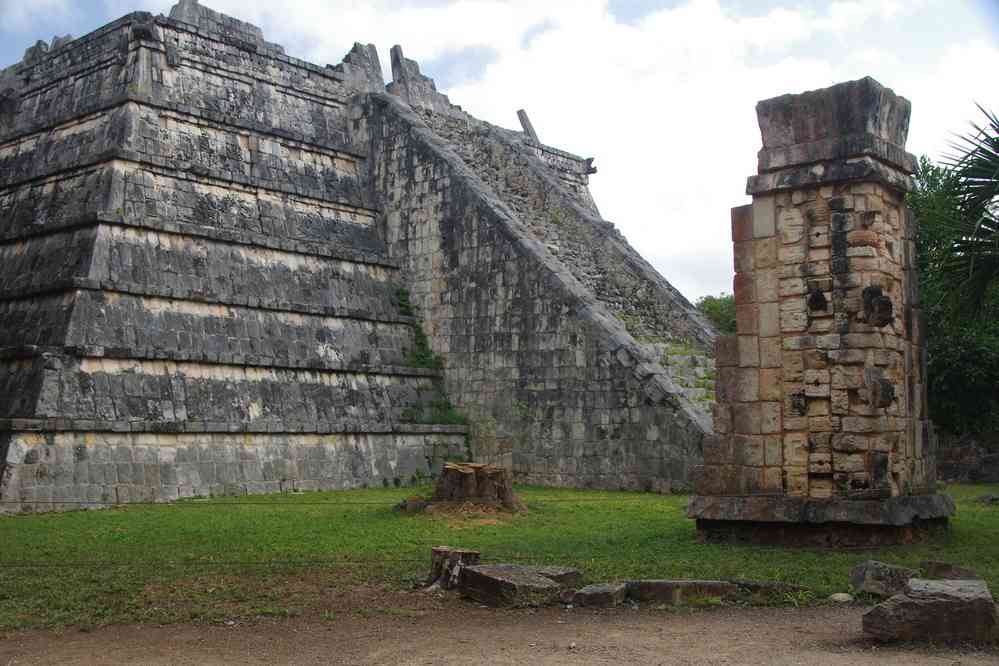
x=934, y=569
x=841, y=598
x=603, y=595
x=515, y=584
x=676, y=592
x=880, y=579
x=446, y=564
x=936, y=610
x=988, y=500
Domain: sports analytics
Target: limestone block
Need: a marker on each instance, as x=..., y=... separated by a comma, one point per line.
x=749, y=351
x=936, y=611
x=769, y=315
x=770, y=384
x=764, y=219
x=770, y=352
x=747, y=418
x=765, y=253
x=742, y=223
x=770, y=417
x=796, y=449
x=749, y=450
x=766, y=285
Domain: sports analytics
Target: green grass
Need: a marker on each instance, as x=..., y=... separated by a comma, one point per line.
x=274, y=556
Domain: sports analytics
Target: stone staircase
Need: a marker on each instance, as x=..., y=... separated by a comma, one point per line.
x=692, y=370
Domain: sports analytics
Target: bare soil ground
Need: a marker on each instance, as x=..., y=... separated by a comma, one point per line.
x=375, y=626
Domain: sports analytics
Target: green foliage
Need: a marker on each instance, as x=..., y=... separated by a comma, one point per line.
x=288, y=553
x=437, y=412
x=421, y=356
x=962, y=341
x=720, y=311
x=972, y=261
x=406, y=306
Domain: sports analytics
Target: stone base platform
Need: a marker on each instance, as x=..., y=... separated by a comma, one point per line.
x=809, y=523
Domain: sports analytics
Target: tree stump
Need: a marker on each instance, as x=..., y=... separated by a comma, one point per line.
x=446, y=564
x=475, y=483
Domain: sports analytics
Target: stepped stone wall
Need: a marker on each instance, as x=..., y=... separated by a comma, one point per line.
x=197, y=300
x=556, y=386
x=208, y=251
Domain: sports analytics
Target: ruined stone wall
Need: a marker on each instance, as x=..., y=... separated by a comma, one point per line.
x=821, y=415
x=204, y=241
x=194, y=288
x=556, y=386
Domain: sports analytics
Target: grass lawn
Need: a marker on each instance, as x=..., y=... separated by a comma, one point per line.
x=272, y=555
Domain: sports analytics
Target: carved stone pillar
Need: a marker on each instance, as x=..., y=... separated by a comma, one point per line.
x=822, y=435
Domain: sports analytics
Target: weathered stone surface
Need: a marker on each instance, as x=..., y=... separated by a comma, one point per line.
x=824, y=306
x=508, y=585
x=956, y=610
x=896, y=511
x=680, y=591
x=604, y=595
x=200, y=235
x=880, y=579
x=934, y=569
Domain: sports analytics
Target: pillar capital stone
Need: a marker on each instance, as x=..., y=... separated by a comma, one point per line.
x=850, y=131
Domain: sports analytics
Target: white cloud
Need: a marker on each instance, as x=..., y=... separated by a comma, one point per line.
x=21, y=15
x=665, y=103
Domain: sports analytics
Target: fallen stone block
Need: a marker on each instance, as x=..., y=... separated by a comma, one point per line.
x=945, y=571
x=880, y=579
x=508, y=585
x=603, y=595
x=936, y=610
x=564, y=576
x=680, y=591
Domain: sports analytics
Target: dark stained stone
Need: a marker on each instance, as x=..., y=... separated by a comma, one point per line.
x=507, y=585
x=680, y=591
x=928, y=610
x=602, y=595
x=878, y=578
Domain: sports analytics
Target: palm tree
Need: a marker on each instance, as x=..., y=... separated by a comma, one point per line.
x=971, y=264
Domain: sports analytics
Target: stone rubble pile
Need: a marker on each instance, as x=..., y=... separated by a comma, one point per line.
x=937, y=602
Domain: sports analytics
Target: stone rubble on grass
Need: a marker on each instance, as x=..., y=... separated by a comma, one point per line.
x=603, y=595
x=936, y=610
x=515, y=585
x=678, y=591
x=504, y=585
x=880, y=579
x=933, y=569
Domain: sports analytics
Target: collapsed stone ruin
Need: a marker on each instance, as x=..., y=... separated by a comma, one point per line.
x=224, y=270
x=822, y=435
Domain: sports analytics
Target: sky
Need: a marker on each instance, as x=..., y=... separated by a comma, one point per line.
x=661, y=92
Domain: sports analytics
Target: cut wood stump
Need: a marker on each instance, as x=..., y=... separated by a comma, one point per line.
x=446, y=564
x=476, y=483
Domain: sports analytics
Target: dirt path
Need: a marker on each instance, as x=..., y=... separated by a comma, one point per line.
x=460, y=634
